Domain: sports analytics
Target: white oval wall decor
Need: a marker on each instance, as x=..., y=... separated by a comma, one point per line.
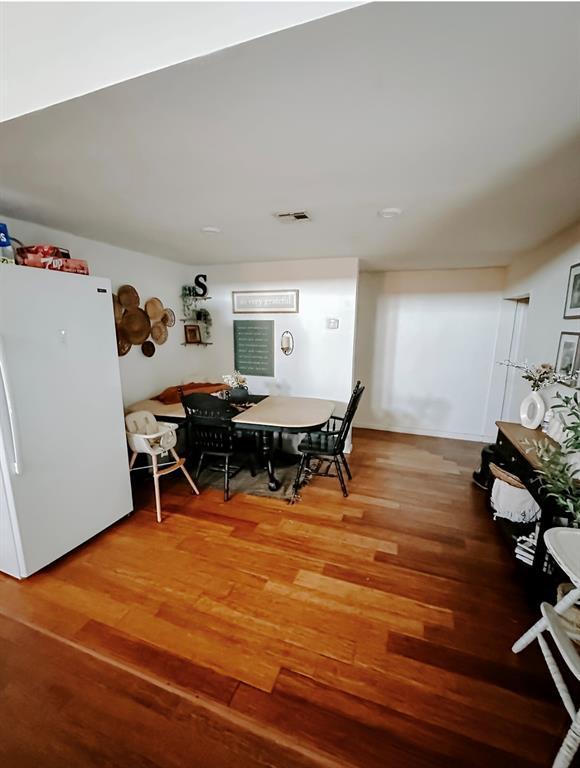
x=532, y=411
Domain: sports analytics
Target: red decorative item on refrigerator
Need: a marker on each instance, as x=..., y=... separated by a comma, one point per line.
x=50, y=257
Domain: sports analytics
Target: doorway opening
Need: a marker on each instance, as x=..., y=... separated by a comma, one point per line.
x=515, y=387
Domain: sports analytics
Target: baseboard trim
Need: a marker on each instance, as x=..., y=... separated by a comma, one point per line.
x=475, y=438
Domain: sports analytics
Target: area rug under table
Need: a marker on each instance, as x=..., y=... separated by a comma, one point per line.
x=285, y=465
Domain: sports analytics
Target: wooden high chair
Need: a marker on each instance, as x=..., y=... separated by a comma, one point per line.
x=147, y=435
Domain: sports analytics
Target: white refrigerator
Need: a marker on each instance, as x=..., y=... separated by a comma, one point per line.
x=64, y=475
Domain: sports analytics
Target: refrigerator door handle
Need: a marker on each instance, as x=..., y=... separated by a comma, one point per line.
x=16, y=463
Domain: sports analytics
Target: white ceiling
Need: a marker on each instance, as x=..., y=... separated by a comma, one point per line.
x=465, y=115
x=54, y=51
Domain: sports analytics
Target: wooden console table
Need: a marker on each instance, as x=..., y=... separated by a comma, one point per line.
x=517, y=436
x=512, y=454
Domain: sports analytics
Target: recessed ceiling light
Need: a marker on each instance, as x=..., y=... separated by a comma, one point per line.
x=211, y=230
x=389, y=213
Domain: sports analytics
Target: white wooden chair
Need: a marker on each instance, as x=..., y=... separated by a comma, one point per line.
x=569, y=653
x=564, y=546
x=147, y=435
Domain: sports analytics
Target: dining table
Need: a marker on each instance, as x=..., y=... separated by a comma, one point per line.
x=278, y=414
x=265, y=415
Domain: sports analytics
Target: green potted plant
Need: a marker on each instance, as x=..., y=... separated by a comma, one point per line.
x=569, y=408
x=560, y=470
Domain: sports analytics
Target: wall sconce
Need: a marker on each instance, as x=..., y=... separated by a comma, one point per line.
x=287, y=343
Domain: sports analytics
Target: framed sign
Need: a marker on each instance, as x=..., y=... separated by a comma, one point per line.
x=266, y=302
x=254, y=347
x=572, y=307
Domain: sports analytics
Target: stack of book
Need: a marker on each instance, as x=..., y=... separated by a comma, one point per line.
x=526, y=548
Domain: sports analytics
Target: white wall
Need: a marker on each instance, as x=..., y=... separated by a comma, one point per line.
x=427, y=342
x=52, y=52
x=426, y=348
x=322, y=363
x=543, y=275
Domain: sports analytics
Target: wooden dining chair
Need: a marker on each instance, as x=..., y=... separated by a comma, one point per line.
x=328, y=446
x=211, y=433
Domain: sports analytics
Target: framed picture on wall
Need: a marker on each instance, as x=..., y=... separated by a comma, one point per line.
x=572, y=307
x=568, y=357
x=192, y=334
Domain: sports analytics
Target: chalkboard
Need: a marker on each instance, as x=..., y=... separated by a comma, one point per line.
x=254, y=347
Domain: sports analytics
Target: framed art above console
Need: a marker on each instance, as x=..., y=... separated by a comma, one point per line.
x=568, y=355
x=572, y=306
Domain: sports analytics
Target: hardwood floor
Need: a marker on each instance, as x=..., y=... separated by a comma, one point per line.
x=369, y=631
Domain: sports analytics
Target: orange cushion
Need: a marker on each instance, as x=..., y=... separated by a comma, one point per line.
x=171, y=395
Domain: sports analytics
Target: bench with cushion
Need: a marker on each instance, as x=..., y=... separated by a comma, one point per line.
x=168, y=403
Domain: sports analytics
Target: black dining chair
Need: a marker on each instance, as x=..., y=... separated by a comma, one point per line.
x=328, y=444
x=210, y=432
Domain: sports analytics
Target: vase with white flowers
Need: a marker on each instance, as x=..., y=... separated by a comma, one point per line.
x=238, y=392
x=542, y=375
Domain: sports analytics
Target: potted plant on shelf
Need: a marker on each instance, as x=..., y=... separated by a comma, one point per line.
x=203, y=316
x=189, y=299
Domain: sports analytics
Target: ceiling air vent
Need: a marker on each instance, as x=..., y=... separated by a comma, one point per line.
x=293, y=216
